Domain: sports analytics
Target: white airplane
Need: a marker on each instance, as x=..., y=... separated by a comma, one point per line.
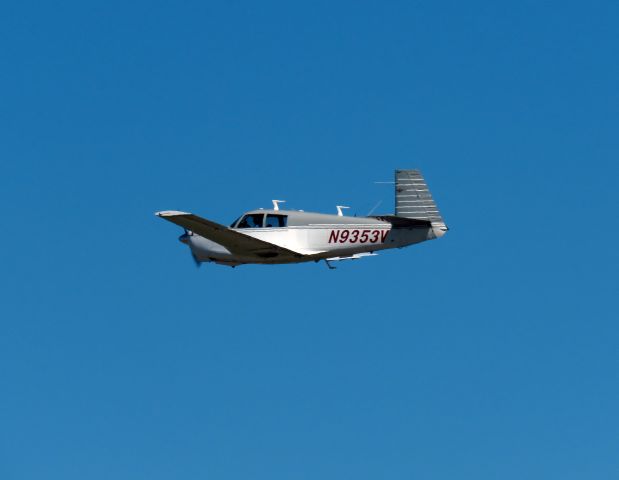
x=276, y=236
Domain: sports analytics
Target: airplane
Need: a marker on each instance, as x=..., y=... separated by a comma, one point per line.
x=276, y=236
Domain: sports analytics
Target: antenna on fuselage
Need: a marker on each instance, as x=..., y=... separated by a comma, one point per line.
x=374, y=208
x=339, y=210
x=276, y=203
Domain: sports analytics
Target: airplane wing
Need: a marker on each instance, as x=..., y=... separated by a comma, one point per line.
x=236, y=242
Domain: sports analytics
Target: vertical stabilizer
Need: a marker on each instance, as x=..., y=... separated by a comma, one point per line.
x=413, y=198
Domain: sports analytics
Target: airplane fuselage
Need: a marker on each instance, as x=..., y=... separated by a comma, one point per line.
x=317, y=236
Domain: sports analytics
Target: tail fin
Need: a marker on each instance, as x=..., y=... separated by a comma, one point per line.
x=413, y=198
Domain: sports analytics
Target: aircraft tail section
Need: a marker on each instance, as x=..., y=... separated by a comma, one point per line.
x=413, y=198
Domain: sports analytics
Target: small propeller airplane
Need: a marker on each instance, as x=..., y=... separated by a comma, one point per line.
x=275, y=236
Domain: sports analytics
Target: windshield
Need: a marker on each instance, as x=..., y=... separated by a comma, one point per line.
x=253, y=220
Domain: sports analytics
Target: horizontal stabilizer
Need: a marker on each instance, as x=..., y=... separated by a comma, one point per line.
x=356, y=256
x=403, y=222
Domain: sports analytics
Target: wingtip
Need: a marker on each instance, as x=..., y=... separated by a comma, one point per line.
x=170, y=213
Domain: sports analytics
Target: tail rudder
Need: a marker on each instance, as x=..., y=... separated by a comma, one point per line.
x=413, y=198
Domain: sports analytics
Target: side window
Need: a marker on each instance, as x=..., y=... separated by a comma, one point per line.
x=278, y=221
x=253, y=220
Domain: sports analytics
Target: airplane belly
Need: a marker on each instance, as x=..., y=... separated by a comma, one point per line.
x=322, y=241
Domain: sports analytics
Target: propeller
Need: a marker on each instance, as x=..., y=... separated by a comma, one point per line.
x=195, y=259
x=184, y=238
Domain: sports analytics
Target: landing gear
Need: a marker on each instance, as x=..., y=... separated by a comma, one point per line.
x=331, y=267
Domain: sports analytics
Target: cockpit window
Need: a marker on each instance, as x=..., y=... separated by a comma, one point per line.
x=235, y=222
x=278, y=221
x=253, y=220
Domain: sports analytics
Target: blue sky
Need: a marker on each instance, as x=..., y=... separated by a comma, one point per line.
x=491, y=353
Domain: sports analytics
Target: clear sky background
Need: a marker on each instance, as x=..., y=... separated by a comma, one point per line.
x=491, y=353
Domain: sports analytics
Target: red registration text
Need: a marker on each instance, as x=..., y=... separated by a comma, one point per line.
x=358, y=236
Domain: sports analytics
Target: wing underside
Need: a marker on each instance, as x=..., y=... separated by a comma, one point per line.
x=235, y=242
